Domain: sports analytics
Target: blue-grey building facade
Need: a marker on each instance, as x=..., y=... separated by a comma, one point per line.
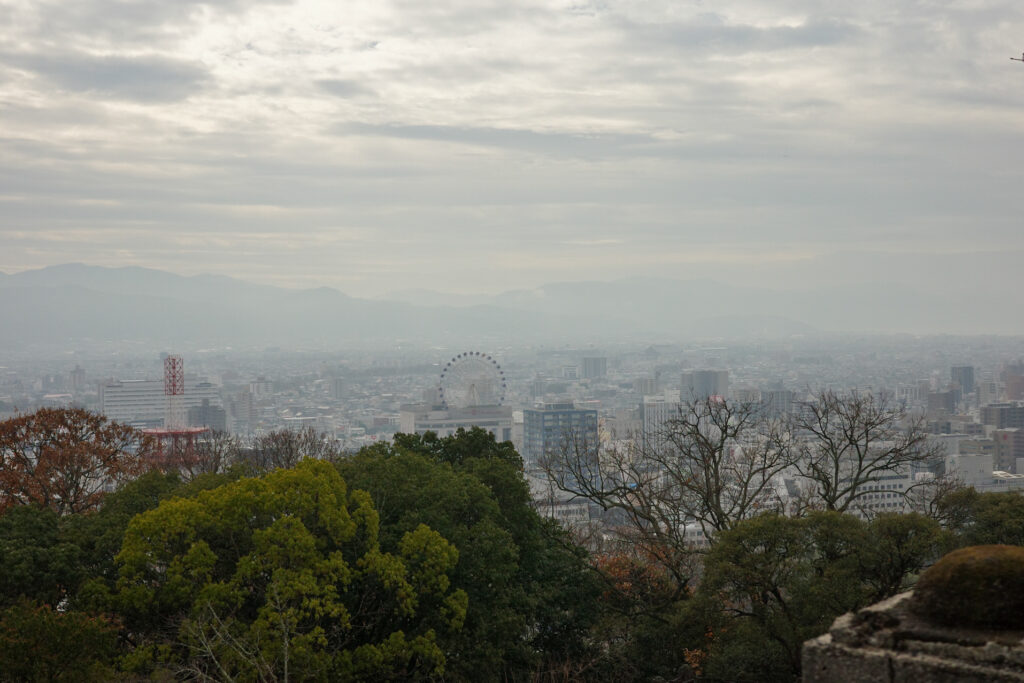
x=548, y=428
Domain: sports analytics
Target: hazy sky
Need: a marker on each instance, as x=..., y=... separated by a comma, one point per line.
x=473, y=146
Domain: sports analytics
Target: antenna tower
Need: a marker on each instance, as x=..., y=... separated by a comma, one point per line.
x=174, y=391
x=175, y=441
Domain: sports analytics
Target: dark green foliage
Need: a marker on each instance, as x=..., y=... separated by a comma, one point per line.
x=790, y=577
x=531, y=595
x=976, y=586
x=984, y=518
x=99, y=535
x=670, y=643
x=409, y=490
x=35, y=562
x=742, y=651
x=456, y=450
x=38, y=643
x=901, y=546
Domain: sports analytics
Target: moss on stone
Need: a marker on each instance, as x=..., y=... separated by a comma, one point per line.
x=981, y=586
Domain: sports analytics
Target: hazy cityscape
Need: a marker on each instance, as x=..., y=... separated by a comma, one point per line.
x=619, y=405
x=535, y=341
x=358, y=397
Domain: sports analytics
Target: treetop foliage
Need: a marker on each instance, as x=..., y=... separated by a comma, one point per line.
x=286, y=573
x=66, y=458
x=531, y=594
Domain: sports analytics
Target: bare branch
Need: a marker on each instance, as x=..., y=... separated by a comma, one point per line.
x=844, y=443
x=713, y=464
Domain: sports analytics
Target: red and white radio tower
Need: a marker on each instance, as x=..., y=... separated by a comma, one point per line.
x=174, y=390
x=176, y=440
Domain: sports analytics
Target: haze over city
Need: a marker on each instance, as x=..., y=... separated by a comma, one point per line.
x=531, y=340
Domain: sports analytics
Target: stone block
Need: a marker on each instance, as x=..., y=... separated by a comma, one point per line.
x=826, y=662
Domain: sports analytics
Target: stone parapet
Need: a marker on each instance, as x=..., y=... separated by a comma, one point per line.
x=888, y=642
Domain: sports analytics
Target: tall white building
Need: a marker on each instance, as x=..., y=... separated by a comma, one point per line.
x=142, y=402
x=655, y=413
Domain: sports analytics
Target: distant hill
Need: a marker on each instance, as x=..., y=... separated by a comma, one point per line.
x=77, y=301
x=700, y=307
x=88, y=302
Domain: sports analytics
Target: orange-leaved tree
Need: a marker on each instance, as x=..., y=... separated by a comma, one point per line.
x=66, y=458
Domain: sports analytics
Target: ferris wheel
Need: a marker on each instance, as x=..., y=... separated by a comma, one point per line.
x=472, y=379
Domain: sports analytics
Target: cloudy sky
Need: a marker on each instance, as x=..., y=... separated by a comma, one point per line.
x=485, y=145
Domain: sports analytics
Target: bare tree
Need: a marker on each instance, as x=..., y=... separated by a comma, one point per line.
x=213, y=453
x=844, y=443
x=715, y=463
x=284, y=448
x=724, y=460
x=928, y=497
x=638, y=507
x=215, y=651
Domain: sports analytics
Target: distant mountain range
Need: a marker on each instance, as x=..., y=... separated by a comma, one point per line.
x=80, y=302
x=709, y=308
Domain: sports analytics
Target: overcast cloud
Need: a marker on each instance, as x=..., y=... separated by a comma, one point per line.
x=481, y=146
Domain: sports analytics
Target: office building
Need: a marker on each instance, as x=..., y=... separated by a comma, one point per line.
x=1009, y=444
x=1003, y=415
x=208, y=415
x=777, y=403
x=142, y=402
x=77, y=379
x=645, y=386
x=989, y=391
x=981, y=473
x=962, y=377
x=941, y=403
x=656, y=415
x=698, y=385
x=549, y=428
x=595, y=367
x=336, y=386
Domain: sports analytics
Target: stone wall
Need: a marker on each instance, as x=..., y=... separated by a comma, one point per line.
x=887, y=642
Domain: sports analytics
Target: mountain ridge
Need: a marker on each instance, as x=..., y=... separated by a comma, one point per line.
x=71, y=301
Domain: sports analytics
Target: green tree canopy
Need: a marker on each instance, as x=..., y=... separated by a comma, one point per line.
x=39, y=643
x=787, y=579
x=984, y=518
x=903, y=545
x=35, y=562
x=285, y=577
x=99, y=535
x=532, y=597
x=457, y=449
x=790, y=577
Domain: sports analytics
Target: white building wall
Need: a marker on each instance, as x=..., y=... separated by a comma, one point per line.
x=142, y=402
